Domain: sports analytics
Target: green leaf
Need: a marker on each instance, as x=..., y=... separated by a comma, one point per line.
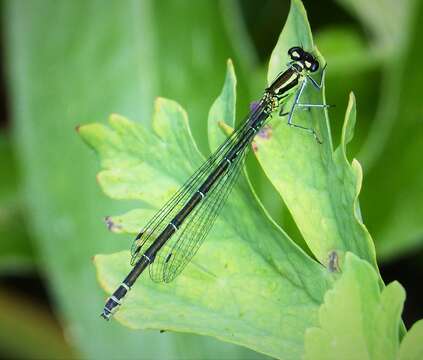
x=387, y=137
x=412, y=346
x=319, y=186
x=357, y=320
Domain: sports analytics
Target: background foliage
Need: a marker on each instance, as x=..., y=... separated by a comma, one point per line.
x=70, y=62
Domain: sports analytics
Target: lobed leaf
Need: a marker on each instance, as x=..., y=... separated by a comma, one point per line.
x=412, y=346
x=357, y=320
x=319, y=186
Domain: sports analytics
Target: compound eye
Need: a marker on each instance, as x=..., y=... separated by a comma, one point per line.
x=310, y=63
x=314, y=66
x=307, y=60
x=295, y=53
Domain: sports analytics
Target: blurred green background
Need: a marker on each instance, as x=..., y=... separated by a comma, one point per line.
x=70, y=62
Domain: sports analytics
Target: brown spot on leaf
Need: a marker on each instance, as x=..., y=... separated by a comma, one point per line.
x=112, y=226
x=265, y=132
x=333, y=261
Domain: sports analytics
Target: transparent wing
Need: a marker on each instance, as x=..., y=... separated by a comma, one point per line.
x=162, y=218
x=182, y=246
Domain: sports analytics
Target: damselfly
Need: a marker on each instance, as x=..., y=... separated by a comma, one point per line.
x=172, y=237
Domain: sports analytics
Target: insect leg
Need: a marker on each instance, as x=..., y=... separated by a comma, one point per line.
x=291, y=112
